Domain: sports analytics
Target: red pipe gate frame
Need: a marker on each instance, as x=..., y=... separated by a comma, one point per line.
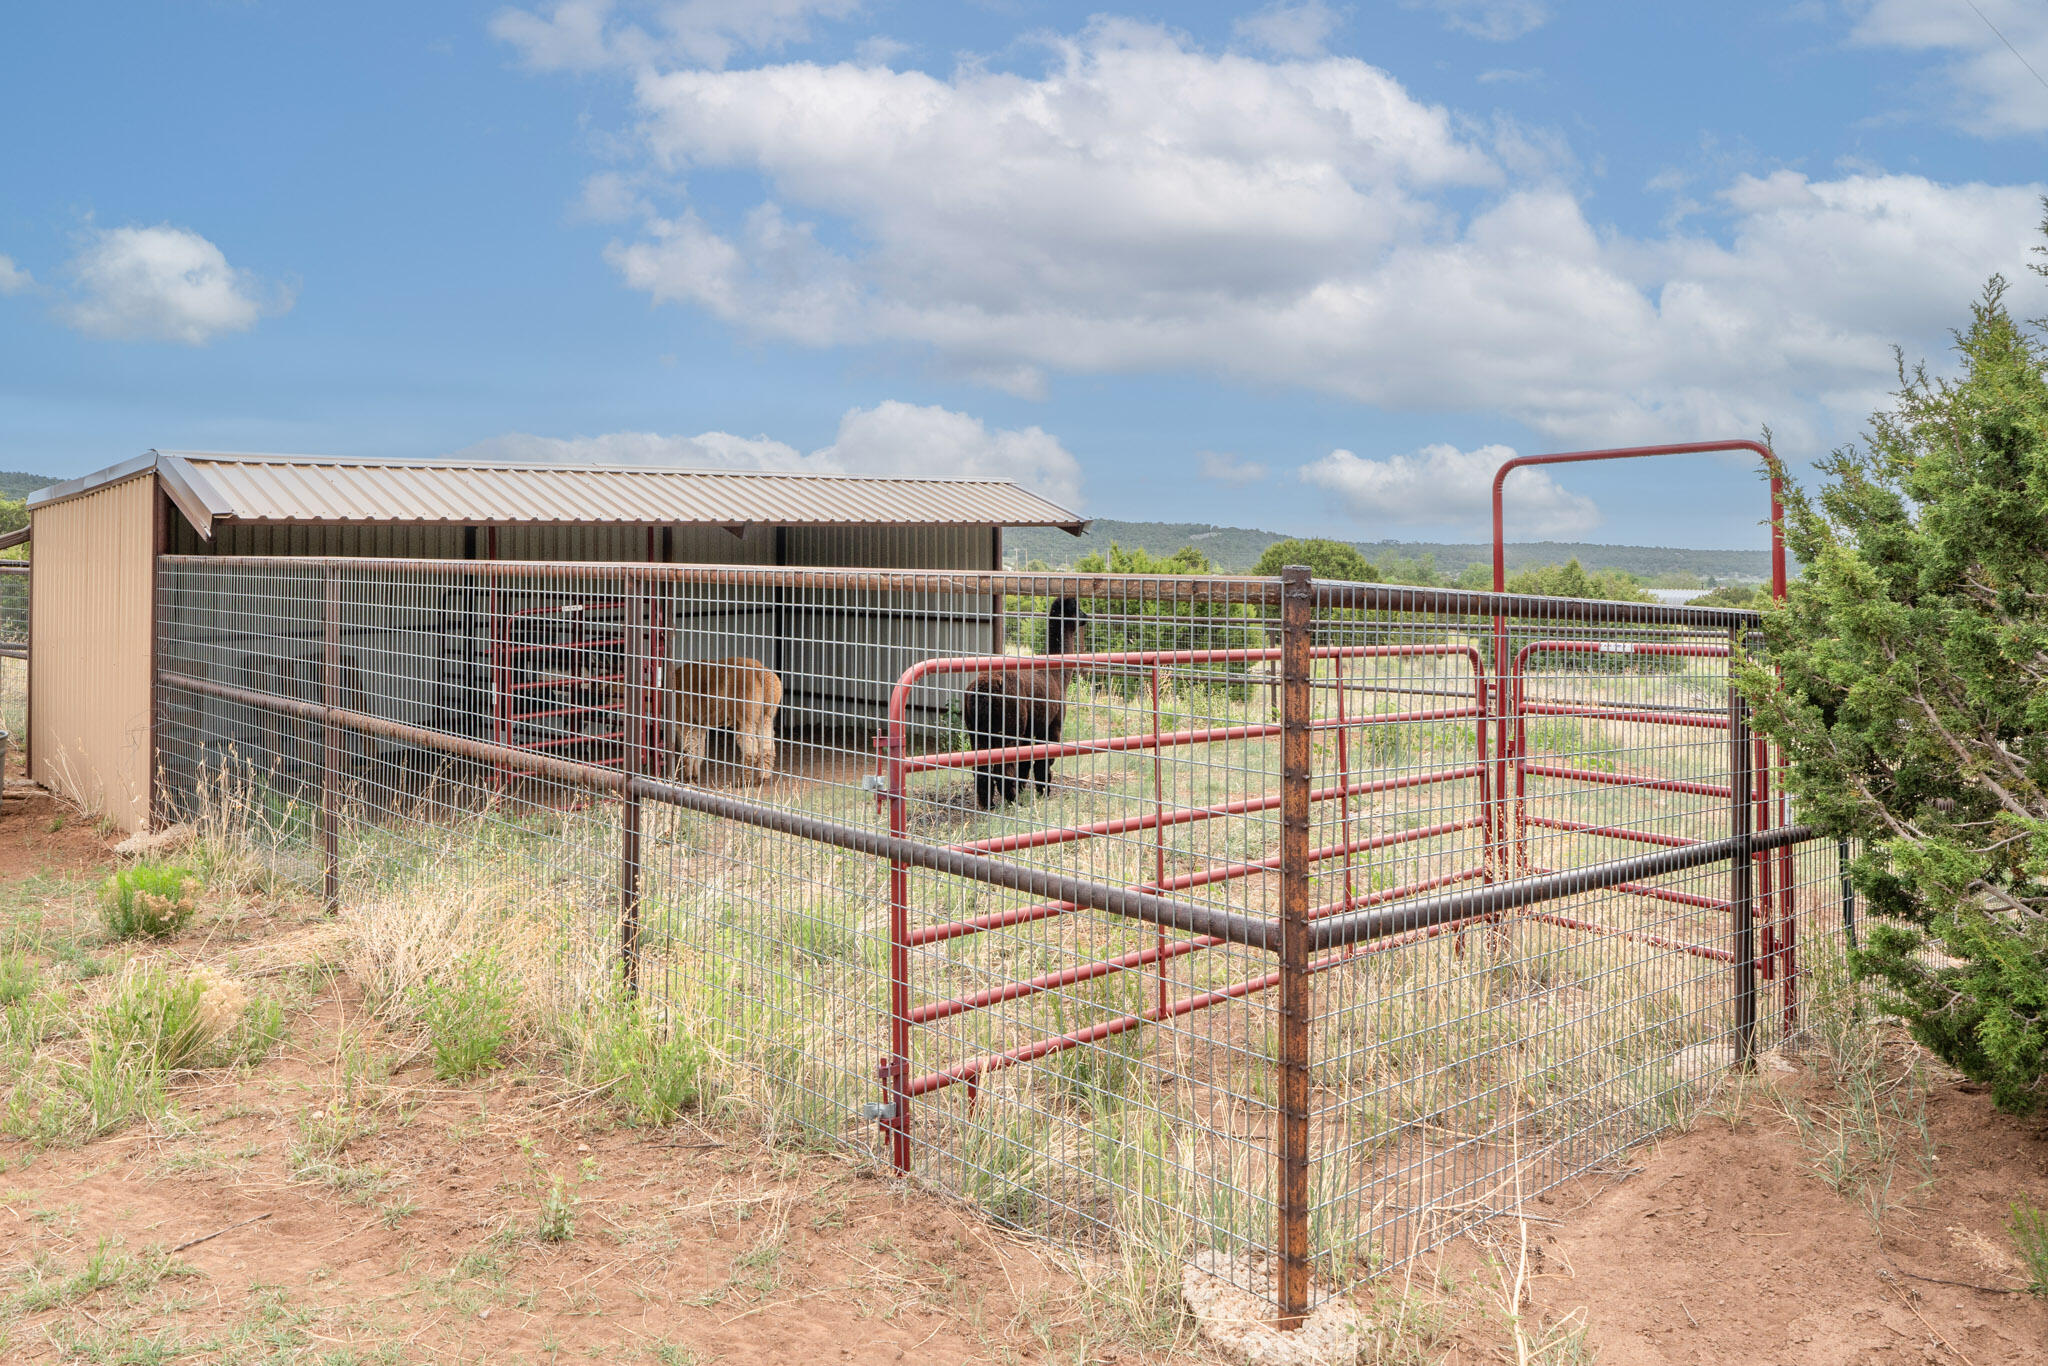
x=1504, y=764
x=897, y=765
x=1777, y=953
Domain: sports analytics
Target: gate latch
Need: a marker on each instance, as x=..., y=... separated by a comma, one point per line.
x=878, y=1109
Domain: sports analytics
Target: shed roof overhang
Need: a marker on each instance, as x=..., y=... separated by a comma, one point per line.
x=210, y=488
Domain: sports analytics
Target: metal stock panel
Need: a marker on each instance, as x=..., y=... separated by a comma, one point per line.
x=1283, y=927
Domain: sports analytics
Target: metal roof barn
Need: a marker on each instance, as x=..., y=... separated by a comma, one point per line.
x=95, y=607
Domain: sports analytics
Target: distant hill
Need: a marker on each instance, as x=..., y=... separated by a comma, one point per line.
x=1238, y=548
x=15, y=484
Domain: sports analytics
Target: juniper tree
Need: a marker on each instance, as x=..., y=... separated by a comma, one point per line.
x=1907, y=683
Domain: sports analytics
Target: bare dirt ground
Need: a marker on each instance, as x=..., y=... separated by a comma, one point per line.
x=334, y=1203
x=1730, y=1245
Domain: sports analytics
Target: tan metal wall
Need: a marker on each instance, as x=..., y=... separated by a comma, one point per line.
x=89, y=685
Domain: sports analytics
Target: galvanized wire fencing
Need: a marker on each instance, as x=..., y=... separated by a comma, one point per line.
x=14, y=648
x=1287, y=927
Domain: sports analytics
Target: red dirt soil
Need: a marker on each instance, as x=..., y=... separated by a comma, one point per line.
x=699, y=1245
x=1730, y=1247
x=28, y=845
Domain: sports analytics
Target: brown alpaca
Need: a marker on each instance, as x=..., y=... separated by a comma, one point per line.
x=737, y=694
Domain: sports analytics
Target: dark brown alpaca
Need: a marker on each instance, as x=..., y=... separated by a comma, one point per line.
x=1005, y=708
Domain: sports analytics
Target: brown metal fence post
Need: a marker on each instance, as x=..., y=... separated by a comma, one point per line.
x=637, y=664
x=1741, y=868
x=330, y=737
x=1291, y=1208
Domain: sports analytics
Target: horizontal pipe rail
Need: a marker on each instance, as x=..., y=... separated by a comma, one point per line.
x=1173, y=739
x=995, y=844
x=973, y=1069
x=1633, y=936
x=1613, y=832
x=1143, y=588
x=1126, y=902
x=1225, y=872
x=1638, y=780
x=1672, y=716
x=1363, y=927
x=1670, y=894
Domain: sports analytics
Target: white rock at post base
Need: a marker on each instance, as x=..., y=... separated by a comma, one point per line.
x=1232, y=1301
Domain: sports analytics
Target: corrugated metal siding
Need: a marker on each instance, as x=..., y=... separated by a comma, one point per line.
x=716, y=545
x=89, y=686
x=840, y=653
x=359, y=542
x=890, y=547
x=309, y=489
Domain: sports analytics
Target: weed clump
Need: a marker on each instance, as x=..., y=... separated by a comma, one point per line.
x=2029, y=1229
x=652, y=1074
x=150, y=899
x=161, y=1021
x=19, y=977
x=468, y=1015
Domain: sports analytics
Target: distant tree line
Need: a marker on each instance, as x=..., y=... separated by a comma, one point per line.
x=1336, y=560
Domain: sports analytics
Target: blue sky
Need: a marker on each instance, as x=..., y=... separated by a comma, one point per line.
x=1314, y=267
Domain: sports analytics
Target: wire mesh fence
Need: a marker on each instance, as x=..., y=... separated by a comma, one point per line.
x=14, y=647
x=1279, y=926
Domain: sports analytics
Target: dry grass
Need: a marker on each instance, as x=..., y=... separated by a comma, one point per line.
x=1436, y=1063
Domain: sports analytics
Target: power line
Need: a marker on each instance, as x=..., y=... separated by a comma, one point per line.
x=2008, y=44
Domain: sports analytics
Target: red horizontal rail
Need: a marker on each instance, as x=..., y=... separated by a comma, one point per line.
x=1359, y=903
x=1692, y=899
x=1000, y=844
x=501, y=649
x=1031, y=1052
x=1635, y=936
x=1619, y=647
x=996, y=920
x=595, y=709
x=1139, y=958
x=564, y=741
x=1610, y=831
x=1640, y=780
x=975, y=758
x=566, y=681
x=1656, y=718
x=1051, y=981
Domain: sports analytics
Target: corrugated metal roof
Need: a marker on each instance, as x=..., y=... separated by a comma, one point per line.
x=305, y=488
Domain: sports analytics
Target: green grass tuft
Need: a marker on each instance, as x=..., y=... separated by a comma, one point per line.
x=2029, y=1229
x=150, y=899
x=469, y=1016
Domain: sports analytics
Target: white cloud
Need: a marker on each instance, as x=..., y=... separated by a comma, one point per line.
x=163, y=284
x=1145, y=205
x=1224, y=468
x=610, y=197
x=891, y=438
x=13, y=279
x=1497, y=21
x=1991, y=87
x=1289, y=28
x=1441, y=485
x=588, y=35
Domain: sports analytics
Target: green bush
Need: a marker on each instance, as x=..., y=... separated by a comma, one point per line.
x=149, y=899
x=469, y=1016
x=1914, y=705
